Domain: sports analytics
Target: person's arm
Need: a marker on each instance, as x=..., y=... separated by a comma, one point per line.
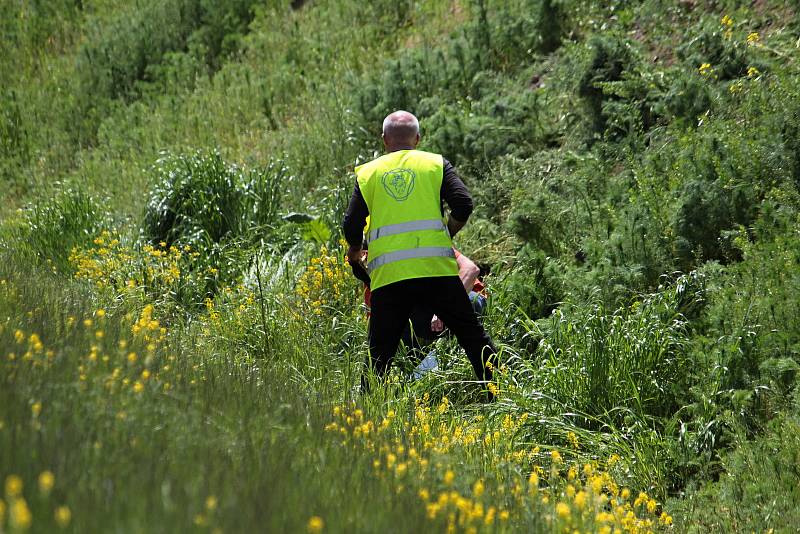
x=457, y=197
x=353, y=225
x=468, y=272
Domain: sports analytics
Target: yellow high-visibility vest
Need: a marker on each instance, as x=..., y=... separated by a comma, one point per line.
x=407, y=233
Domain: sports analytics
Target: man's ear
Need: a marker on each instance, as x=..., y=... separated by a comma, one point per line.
x=416, y=142
x=383, y=137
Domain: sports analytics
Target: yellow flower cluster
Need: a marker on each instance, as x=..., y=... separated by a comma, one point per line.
x=727, y=26
x=108, y=263
x=315, y=525
x=566, y=494
x=149, y=330
x=102, y=262
x=207, y=517
x=15, y=508
x=116, y=368
x=31, y=348
x=322, y=282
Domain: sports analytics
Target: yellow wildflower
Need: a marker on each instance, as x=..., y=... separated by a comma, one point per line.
x=651, y=505
x=477, y=488
x=556, y=456
x=46, y=481
x=36, y=409
x=211, y=503
x=604, y=517
x=665, y=519
x=449, y=477
x=315, y=525
x=705, y=69
x=562, y=509
x=753, y=38
x=726, y=21
x=573, y=439
x=63, y=516
x=752, y=72
x=20, y=517
x=13, y=486
x=138, y=387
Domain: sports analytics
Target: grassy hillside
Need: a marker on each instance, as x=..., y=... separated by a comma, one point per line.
x=181, y=342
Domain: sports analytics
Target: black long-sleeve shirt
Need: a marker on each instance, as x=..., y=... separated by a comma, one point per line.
x=453, y=192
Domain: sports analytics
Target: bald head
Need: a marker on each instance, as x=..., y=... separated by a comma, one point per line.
x=400, y=131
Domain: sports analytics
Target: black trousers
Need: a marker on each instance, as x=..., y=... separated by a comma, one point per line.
x=392, y=306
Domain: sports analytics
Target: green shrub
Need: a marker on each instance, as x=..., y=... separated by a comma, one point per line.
x=758, y=491
x=603, y=363
x=196, y=198
x=51, y=229
x=611, y=57
x=199, y=199
x=706, y=209
x=219, y=210
x=125, y=54
x=714, y=43
x=534, y=285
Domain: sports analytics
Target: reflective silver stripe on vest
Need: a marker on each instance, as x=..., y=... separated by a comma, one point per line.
x=402, y=228
x=421, y=252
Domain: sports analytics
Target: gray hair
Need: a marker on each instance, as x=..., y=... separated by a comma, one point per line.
x=401, y=122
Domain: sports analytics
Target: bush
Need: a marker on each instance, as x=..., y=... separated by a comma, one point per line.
x=758, y=491
x=611, y=57
x=714, y=43
x=604, y=364
x=125, y=55
x=534, y=285
x=51, y=229
x=199, y=199
x=218, y=210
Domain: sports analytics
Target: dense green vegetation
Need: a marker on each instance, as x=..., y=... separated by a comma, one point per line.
x=181, y=342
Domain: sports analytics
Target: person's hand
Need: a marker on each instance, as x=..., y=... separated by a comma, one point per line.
x=436, y=324
x=355, y=255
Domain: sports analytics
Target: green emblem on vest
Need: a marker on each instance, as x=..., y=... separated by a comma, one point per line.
x=399, y=183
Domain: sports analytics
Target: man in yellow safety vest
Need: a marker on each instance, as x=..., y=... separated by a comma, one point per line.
x=411, y=257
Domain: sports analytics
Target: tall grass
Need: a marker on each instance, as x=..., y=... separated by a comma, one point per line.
x=177, y=354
